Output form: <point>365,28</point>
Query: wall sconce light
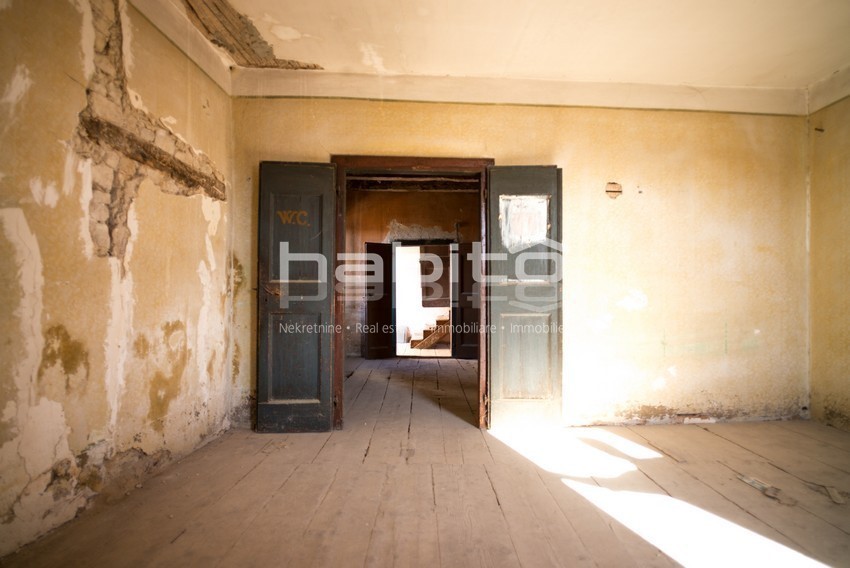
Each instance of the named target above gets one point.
<point>613,189</point>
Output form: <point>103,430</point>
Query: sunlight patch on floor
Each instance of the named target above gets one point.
<point>688,534</point>
<point>564,451</point>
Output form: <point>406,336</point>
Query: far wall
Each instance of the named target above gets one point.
<point>687,295</point>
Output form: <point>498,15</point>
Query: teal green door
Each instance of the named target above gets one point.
<point>295,297</point>
<point>524,293</point>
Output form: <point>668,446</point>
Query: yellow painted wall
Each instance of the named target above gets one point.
<point>686,295</point>
<point>109,366</point>
<point>830,264</point>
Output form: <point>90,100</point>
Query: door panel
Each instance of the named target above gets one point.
<point>465,305</point>
<point>524,293</point>
<point>294,297</point>
<point>378,336</point>
<point>301,359</point>
<point>524,358</point>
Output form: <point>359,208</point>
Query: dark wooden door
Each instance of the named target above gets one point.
<point>379,337</point>
<point>295,297</point>
<point>524,293</point>
<point>465,304</point>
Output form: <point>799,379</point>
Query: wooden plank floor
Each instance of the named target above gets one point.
<point>410,481</point>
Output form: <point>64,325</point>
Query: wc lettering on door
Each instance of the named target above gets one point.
<point>293,217</point>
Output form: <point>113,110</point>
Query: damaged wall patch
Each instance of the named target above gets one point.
<point>124,144</point>
<point>227,28</point>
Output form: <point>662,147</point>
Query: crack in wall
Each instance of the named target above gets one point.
<point>127,145</point>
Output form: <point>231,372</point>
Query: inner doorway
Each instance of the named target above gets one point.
<point>429,306</point>
<point>423,201</point>
<point>422,295</point>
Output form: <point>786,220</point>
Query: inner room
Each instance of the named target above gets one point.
<point>415,216</point>
<point>423,316</point>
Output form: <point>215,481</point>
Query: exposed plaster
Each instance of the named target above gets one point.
<point>210,253</point>
<point>50,495</point>
<point>127,39</point>
<point>43,486</point>
<point>44,439</point>
<point>86,36</point>
<point>119,329</point>
<point>210,344</point>
<point>212,214</point>
<point>69,177</point>
<point>125,144</point>
<point>29,311</point>
<point>17,87</point>
<point>204,332</point>
<point>168,122</point>
<point>44,194</point>
<point>136,100</point>
<point>84,169</point>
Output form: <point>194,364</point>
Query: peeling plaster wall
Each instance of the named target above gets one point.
<point>684,296</point>
<point>829,131</point>
<point>114,361</point>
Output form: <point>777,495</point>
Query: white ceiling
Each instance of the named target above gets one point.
<point>752,48</point>
<point>722,43</point>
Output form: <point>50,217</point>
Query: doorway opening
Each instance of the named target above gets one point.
<point>306,214</point>
<point>388,204</point>
<point>423,298</point>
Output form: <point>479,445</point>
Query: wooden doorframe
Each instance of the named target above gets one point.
<point>348,165</point>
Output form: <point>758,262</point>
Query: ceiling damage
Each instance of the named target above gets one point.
<point>762,56</point>
<point>227,28</point>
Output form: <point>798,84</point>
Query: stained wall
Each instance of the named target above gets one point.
<point>830,264</point>
<point>114,264</point>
